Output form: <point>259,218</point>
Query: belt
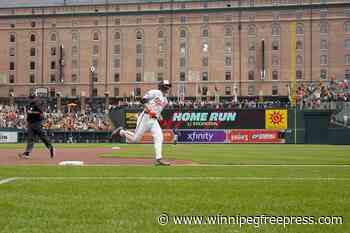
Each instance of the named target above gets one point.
<point>146,111</point>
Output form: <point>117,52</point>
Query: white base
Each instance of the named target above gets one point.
<point>71,163</point>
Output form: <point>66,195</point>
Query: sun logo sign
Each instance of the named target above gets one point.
<point>276,119</point>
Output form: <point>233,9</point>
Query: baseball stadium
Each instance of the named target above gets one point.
<point>152,116</point>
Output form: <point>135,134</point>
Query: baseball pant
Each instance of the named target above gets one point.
<point>36,130</point>
<point>145,123</point>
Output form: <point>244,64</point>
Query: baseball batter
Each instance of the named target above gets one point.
<point>154,102</point>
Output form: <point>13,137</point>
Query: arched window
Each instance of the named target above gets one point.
<point>32,37</point>
<point>183,33</point>
<point>139,35</point>
<point>275,45</point>
<point>96,36</point>
<point>53,37</point>
<point>13,37</point>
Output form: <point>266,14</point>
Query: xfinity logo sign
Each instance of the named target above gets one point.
<point>199,136</point>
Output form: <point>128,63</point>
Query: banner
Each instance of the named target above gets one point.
<point>8,137</point>
<point>168,137</point>
<point>255,136</point>
<point>201,136</point>
<point>131,120</point>
<point>276,119</point>
<point>214,119</point>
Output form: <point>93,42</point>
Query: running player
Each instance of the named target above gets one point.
<point>154,102</point>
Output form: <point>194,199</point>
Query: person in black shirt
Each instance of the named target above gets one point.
<point>35,119</point>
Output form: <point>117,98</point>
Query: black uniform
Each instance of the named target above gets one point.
<point>35,119</point>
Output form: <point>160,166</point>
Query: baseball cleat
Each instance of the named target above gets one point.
<point>52,152</point>
<point>116,132</point>
<point>161,162</point>
<point>24,156</point>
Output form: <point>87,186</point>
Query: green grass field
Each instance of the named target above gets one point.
<point>273,180</point>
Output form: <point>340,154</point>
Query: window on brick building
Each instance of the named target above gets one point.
<point>324,60</point>
<point>95,36</point>
<point>323,74</point>
<point>137,91</point>
<point>32,78</point>
<point>116,91</point>
<point>12,52</point>
<point>227,90</point>
<point>275,75</point>
<point>228,75</point>
<point>12,66</point>
<point>205,76</point>
<point>117,35</point>
<point>32,52</point>
<point>274,90</point>
<point>275,45</point>
<point>11,78</point>
<point>182,76</point>
<point>52,78</point>
<point>138,77</point>
<point>12,37</point>
<point>251,90</point>
<point>32,38</point>
<point>32,65</point>
<point>139,35</point>
<point>53,51</point>
<point>160,76</point>
<point>73,91</point>
<point>251,75</point>
<point>53,65</point>
<point>299,75</point>
<point>116,77</point>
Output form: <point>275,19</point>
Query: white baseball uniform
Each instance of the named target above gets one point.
<point>148,121</point>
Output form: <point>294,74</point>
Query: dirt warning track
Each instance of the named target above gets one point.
<point>90,156</point>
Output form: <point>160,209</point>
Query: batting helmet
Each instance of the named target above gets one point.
<point>164,85</point>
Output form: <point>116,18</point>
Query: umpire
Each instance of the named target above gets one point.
<point>35,119</point>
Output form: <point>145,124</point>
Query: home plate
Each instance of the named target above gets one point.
<point>116,148</point>
<point>71,163</point>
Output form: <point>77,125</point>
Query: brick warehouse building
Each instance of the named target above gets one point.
<point>248,47</point>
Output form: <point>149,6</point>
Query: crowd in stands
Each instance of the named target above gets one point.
<point>323,94</point>
<point>14,117</point>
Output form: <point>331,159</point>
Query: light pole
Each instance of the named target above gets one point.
<point>92,80</point>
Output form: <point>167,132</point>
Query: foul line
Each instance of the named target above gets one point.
<point>264,165</point>
<point>176,178</point>
<point>220,165</point>
<point>7,180</point>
